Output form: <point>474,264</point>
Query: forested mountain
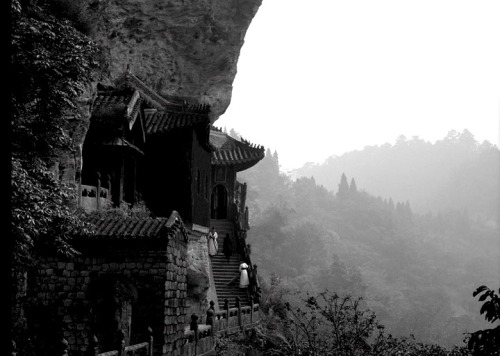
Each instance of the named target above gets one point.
<point>417,271</point>
<point>456,172</point>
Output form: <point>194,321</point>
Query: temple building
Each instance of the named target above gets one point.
<point>148,267</point>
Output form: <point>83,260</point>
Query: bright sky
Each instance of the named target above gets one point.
<point>318,78</point>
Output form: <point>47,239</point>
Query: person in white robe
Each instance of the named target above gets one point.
<point>212,242</point>
<point>244,281</point>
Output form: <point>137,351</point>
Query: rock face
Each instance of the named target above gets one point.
<point>199,279</point>
<point>181,48</point>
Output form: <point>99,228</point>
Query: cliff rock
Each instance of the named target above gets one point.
<point>184,49</point>
<point>181,48</point>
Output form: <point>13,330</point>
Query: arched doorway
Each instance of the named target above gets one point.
<point>219,202</point>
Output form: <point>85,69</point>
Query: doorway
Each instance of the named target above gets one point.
<point>219,202</point>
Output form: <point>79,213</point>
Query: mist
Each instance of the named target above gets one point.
<point>412,228</point>
<point>335,76</point>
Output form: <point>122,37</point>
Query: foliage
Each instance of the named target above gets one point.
<point>84,15</point>
<point>42,215</point>
<point>343,191</point>
<point>330,325</point>
<point>138,210</point>
<point>54,65</point>
<point>487,342</point>
<point>414,270</point>
<point>454,172</point>
<point>322,324</point>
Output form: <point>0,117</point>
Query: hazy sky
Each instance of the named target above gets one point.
<point>322,77</point>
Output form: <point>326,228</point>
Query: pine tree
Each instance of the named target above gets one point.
<point>343,187</point>
<point>353,189</point>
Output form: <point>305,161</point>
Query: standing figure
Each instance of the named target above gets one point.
<point>227,248</point>
<point>244,282</point>
<point>212,242</point>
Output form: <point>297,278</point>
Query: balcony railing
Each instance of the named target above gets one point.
<point>94,198</point>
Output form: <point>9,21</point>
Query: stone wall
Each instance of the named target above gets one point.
<point>67,294</point>
<point>175,311</point>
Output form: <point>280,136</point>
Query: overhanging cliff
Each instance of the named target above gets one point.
<point>181,48</point>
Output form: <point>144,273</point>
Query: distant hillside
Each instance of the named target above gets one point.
<point>456,173</point>
<point>416,271</point>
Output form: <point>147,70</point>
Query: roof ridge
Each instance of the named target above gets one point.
<point>130,79</point>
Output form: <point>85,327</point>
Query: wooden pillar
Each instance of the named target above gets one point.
<point>121,179</point>
<point>110,192</point>
<point>251,310</point>
<point>134,180</point>
<point>121,343</point>
<point>226,308</point>
<point>98,195</point>
<point>238,305</point>
<point>94,346</point>
<point>80,191</point>
<point>150,346</point>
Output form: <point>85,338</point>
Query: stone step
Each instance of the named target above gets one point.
<point>223,273</point>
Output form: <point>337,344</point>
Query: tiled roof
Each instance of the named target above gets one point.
<point>130,228</point>
<point>107,98</point>
<point>120,141</point>
<point>151,96</point>
<point>229,151</point>
<point>123,102</point>
<point>164,121</point>
<point>115,109</point>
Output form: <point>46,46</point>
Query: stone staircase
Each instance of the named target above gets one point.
<point>224,271</point>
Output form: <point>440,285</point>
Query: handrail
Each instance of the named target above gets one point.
<point>142,345</point>
<point>122,350</point>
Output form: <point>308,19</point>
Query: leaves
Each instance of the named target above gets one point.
<point>487,342</point>
<point>53,64</point>
<point>479,290</point>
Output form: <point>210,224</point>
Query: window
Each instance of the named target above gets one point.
<point>220,174</point>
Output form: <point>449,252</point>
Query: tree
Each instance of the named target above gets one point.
<point>328,324</point>
<point>343,191</point>
<point>53,65</point>
<point>487,342</point>
<point>234,134</point>
<point>352,187</point>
